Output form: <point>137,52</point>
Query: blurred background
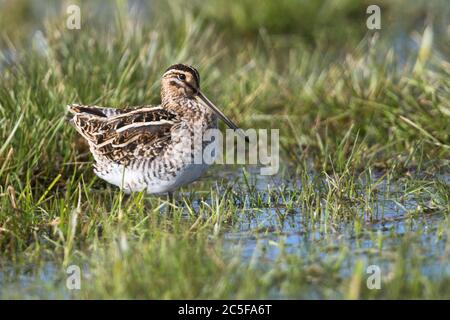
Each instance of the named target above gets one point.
<point>323,22</point>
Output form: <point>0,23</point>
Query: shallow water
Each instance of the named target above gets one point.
<point>395,223</point>
<point>260,235</point>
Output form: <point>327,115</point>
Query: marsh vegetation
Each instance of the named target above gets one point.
<point>364,119</point>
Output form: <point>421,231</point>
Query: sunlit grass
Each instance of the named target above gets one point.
<point>360,127</point>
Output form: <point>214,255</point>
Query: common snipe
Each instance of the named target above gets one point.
<point>150,147</point>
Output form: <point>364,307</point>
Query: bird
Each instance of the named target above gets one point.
<point>149,148</point>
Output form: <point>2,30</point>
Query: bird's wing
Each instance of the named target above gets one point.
<point>97,111</point>
<point>136,133</point>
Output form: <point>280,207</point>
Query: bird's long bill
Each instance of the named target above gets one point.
<point>225,119</point>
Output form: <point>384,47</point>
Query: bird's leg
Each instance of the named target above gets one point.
<point>170,202</point>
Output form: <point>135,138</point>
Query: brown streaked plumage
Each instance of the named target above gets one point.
<point>150,147</point>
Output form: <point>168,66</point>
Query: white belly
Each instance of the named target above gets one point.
<point>169,171</point>
<point>133,180</point>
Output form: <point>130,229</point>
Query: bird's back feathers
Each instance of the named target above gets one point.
<point>121,135</point>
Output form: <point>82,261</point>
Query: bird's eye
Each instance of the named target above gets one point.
<point>181,77</point>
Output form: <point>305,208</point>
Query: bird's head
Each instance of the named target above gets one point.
<point>180,80</point>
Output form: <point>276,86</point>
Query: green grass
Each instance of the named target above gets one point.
<point>365,145</point>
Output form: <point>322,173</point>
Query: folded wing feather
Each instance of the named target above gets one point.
<point>124,134</point>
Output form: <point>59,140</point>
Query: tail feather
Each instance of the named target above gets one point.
<point>79,116</point>
<point>94,110</point>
